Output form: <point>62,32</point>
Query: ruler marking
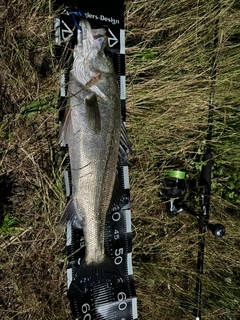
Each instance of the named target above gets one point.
<point>126,177</point>
<point>123,87</point>
<point>122,41</point>
<point>128,221</point>
<point>69,233</point>
<point>67,183</point>
<point>62,85</point>
<point>129,263</point>
<point>69,277</point>
<point>57,31</point>
<point>134,308</point>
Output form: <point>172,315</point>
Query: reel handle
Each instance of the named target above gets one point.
<point>218,230</point>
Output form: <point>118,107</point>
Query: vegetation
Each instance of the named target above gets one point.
<point>169,56</point>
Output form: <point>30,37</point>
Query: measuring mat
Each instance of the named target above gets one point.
<point>113,298</point>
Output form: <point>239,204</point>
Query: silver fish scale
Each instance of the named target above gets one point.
<point>93,160</point>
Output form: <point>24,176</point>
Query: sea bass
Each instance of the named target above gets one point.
<point>92,128</point>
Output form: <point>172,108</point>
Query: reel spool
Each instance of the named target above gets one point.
<point>173,188</point>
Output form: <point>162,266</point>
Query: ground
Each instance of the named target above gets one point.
<point>169,54</point>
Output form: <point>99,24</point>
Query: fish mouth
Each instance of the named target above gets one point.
<point>94,37</point>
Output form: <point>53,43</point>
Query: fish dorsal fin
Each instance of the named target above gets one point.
<point>93,113</point>
<point>117,195</point>
<point>124,147</point>
<point>124,141</point>
<point>122,156</point>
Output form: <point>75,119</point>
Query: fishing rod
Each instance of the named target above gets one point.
<point>174,185</point>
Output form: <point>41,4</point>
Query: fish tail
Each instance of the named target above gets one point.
<point>89,275</point>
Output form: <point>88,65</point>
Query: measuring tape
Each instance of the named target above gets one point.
<point>103,301</point>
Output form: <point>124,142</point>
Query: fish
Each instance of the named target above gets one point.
<point>93,130</point>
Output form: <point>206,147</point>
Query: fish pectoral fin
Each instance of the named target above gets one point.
<point>66,127</point>
<point>71,213</point>
<point>93,113</point>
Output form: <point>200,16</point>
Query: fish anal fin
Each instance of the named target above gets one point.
<point>71,213</point>
<point>93,113</point>
<point>66,127</point>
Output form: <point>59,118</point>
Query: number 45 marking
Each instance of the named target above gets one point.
<point>116,234</point>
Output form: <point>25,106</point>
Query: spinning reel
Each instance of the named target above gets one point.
<point>174,188</point>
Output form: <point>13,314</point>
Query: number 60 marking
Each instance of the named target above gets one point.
<point>122,305</point>
<point>85,309</point>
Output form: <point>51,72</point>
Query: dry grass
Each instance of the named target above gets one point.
<point>32,260</point>
<point>169,57</point>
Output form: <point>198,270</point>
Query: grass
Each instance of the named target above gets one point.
<point>168,96</point>
<point>168,62</point>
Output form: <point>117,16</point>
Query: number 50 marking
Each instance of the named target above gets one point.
<point>118,253</point>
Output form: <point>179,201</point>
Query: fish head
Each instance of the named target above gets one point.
<point>90,60</point>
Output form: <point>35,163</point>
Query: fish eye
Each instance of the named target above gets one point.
<point>100,41</point>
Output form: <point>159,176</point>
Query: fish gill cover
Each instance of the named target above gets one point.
<point>100,285</point>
